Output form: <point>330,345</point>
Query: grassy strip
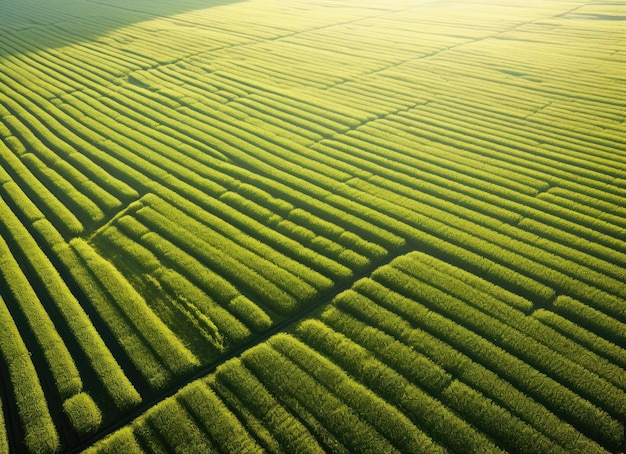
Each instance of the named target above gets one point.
<point>15,196</point>
<point>375,327</point>
<point>533,164</point>
<point>584,337</point>
<point>221,328</point>
<point>507,336</point>
<point>264,404</point>
<point>167,178</point>
<point>100,358</point>
<point>565,148</point>
<point>567,152</point>
<point>61,364</point>
<point>347,424</point>
<point>4,441</point>
<point>192,152</point>
<point>586,205</point>
<point>190,270</point>
<point>123,441</point>
<point>427,413</point>
<point>175,356</point>
<point>230,144</point>
<point>75,143</point>
<point>250,150</point>
<point>511,432</point>
<point>83,414</point>
<point>152,156</point>
<point>47,202</point>
<point>40,435</point>
<point>216,419</point>
<point>588,317</point>
<point>443,276</point>
<point>585,416</point>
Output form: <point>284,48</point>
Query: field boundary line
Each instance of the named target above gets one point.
<point>323,299</point>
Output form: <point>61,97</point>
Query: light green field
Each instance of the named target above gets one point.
<point>312,226</point>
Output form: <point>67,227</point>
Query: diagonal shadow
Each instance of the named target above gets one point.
<point>31,25</point>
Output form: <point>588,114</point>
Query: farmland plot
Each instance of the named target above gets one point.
<point>312,226</point>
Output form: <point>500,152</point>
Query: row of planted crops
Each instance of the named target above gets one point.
<point>442,183</point>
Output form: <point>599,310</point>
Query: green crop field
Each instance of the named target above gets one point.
<point>373,226</point>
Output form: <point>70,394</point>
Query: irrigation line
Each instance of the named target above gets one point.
<point>324,299</point>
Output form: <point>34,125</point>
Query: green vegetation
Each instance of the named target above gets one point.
<point>40,434</point>
<point>83,413</point>
<point>400,377</point>
<point>256,226</point>
<point>4,442</point>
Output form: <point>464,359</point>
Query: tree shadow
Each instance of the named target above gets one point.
<point>31,25</point>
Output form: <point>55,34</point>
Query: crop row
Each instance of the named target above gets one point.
<point>38,322</point>
<point>522,338</point>
<point>202,296</point>
<point>403,154</point>
<point>492,362</point>
<point>43,161</point>
<point>435,384</point>
<point>605,267</point>
<point>509,309</point>
<point>576,410</point>
<point>290,276</point>
<point>530,163</point>
<point>147,339</point>
<point>125,144</point>
<point>557,83</point>
<point>526,142</point>
<point>598,177</point>
<point>32,109</point>
<point>59,300</point>
<point>211,181</point>
<point>433,195</point>
<point>399,344</point>
<point>4,441</point>
<point>157,244</point>
<point>132,343</point>
<point>597,288</point>
<point>36,192</point>
<point>607,350</point>
<point>85,198</point>
<point>369,247</point>
<point>40,434</point>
